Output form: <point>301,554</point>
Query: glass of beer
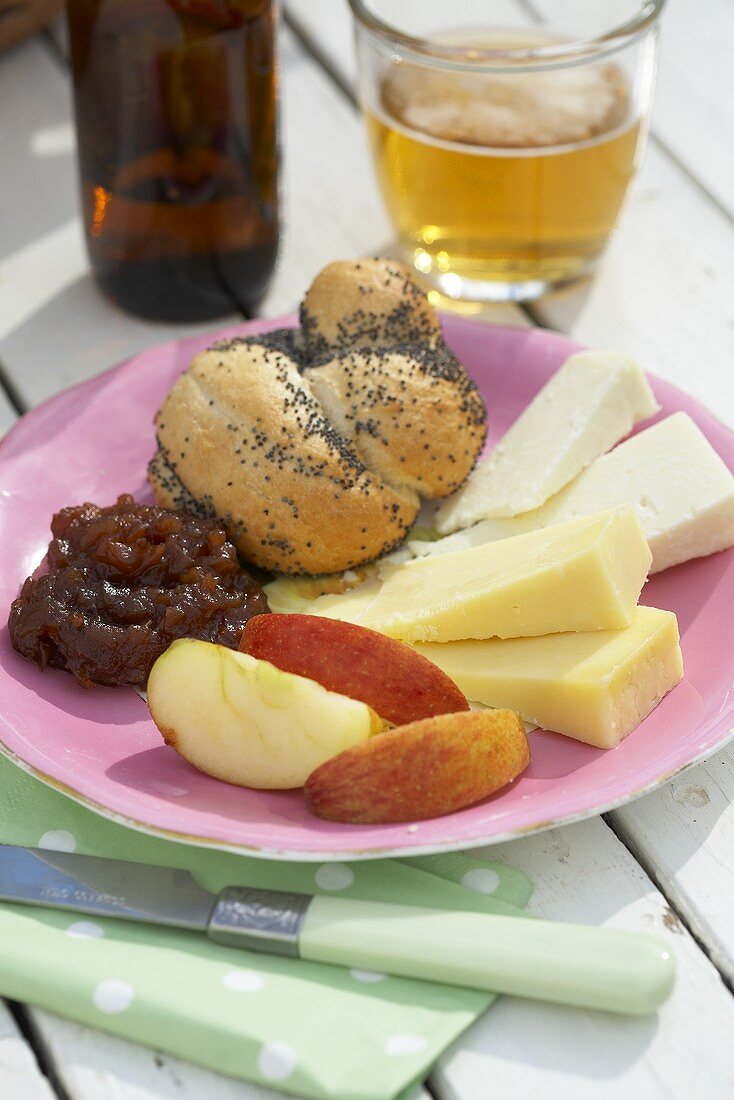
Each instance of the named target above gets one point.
<point>505,133</point>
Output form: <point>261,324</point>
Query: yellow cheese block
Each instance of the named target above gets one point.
<point>586,574</point>
<point>596,687</point>
<point>295,595</point>
<point>348,606</point>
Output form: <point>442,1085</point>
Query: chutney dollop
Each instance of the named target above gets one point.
<point>125,581</point>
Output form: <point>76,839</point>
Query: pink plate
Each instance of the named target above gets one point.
<point>100,746</point>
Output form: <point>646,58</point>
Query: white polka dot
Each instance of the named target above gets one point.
<point>276,1061</point>
<point>242,981</point>
<point>334,876</point>
<point>405,1044</point>
<point>58,840</point>
<point>482,879</point>
<point>112,996</point>
<point>367,976</point>
<point>85,930</point>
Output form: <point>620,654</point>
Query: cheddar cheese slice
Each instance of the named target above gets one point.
<point>582,575</point>
<point>595,687</point>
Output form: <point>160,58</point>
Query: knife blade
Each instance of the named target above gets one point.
<point>104,887</point>
<point>618,971</point>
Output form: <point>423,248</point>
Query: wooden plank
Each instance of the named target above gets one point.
<point>38,272</point>
<point>331,209</point>
<point>685,834</point>
<point>326,28</point>
<point>693,116</point>
<point>38,189</point>
<point>20,1077</point>
<point>77,334</point>
<point>583,873</point>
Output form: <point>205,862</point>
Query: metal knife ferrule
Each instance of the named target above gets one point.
<point>259,920</point>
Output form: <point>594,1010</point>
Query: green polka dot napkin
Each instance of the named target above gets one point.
<point>309,1029</point>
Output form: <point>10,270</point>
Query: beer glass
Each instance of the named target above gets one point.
<point>505,133</point>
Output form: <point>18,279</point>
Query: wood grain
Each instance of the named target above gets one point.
<point>693,118</point>
<point>583,873</point>
<point>20,1077</point>
<point>37,190</point>
<point>685,834</point>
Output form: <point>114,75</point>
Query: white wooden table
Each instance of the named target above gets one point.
<point>666,295</point>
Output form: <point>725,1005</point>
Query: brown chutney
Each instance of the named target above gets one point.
<point>123,583</point>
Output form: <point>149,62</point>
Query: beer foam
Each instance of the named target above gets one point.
<point>507,110</point>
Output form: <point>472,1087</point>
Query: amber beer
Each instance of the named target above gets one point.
<point>176,121</point>
<point>514,178</point>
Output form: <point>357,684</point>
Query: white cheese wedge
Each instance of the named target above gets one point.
<point>595,687</point>
<point>583,575</point>
<point>592,402</point>
<point>681,490</point>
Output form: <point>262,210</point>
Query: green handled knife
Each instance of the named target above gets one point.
<point>629,972</point>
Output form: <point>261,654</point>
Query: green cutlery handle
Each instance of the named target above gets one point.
<point>572,964</point>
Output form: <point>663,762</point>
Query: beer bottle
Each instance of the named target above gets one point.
<point>176,108</point>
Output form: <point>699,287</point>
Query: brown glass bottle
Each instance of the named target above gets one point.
<point>176,108</point>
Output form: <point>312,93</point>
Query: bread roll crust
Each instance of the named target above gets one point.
<point>241,436</point>
<point>413,413</point>
<point>313,446</point>
<point>365,303</point>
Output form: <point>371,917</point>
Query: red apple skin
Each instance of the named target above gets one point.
<point>425,769</point>
<point>398,683</point>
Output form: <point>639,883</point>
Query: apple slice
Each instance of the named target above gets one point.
<point>246,721</point>
<point>398,683</point>
<point>425,769</point>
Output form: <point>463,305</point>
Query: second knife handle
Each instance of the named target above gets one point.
<point>572,964</point>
